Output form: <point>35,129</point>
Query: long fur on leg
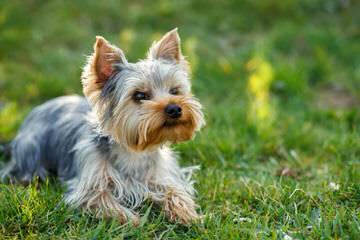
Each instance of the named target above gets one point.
<point>95,188</point>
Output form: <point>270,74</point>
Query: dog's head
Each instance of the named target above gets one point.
<point>142,104</point>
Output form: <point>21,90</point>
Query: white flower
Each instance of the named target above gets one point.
<point>241,219</point>
<point>287,237</point>
<point>334,186</point>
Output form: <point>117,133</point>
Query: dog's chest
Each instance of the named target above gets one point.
<point>137,166</point>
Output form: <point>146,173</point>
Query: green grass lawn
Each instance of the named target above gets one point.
<point>280,83</point>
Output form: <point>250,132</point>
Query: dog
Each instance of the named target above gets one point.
<point>112,147</point>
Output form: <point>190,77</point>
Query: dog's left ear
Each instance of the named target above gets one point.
<point>167,48</point>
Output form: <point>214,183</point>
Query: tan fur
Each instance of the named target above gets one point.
<point>153,128</point>
<point>168,47</point>
<point>99,67</point>
<point>179,207</point>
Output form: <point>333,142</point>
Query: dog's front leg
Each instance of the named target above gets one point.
<point>176,194</point>
<point>179,206</point>
<point>98,189</point>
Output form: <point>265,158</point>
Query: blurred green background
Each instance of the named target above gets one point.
<point>279,80</point>
<point>311,49</point>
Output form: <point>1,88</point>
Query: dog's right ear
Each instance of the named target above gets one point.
<point>168,47</point>
<point>100,66</point>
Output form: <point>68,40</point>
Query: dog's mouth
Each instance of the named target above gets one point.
<point>170,123</point>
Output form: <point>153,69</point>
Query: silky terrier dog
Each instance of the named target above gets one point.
<point>111,148</point>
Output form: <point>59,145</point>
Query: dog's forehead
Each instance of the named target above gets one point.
<point>159,74</point>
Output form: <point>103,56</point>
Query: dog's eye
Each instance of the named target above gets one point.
<point>140,96</point>
<point>174,91</point>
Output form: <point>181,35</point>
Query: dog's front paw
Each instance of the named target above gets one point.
<point>106,206</point>
<point>180,208</point>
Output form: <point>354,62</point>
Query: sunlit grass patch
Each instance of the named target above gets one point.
<point>10,119</point>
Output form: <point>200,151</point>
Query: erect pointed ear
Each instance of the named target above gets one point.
<point>100,65</point>
<point>167,48</point>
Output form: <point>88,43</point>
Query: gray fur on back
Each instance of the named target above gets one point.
<point>44,143</point>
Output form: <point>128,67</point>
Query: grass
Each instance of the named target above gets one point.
<point>280,82</point>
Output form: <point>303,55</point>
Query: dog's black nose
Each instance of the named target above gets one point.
<point>173,110</point>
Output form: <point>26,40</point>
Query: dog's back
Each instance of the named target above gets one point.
<point>45,140</point>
